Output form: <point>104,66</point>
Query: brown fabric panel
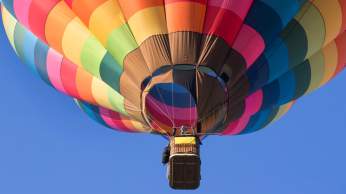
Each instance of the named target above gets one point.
<point>236,102</point>
<point>186,78</point>
<point>232,106</point>
<point>210,95</point>
<point>138,65</point>
<point>163,78</point>
<point>233,113</point>
<point>239,91</point>
<point>217,55</point>
<point>234,67</point>
<point>156,51</point>
<point>215,119</point>
<point>232,109</point>
<point>135,112</point>
<point>237,87</point>
<point>135,68</point>
<point>224,114</point>
<point>132,95</point>
<point>135,71</point>
<point>185,47</point>
<point>214,52</point>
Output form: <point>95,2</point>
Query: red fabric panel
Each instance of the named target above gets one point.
<point>68,77</point>
<point>69,2</point>
<point>217,22</point>
<point>113,119</point>
<point>38,14</point>
<point>341,45</point>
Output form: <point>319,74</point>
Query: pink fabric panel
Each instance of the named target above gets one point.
<point>249,44</point>
<point>237,127</point>
<point>21,9</point>
<point>54,61</point>
<point>113,120</point>
<point>253,103</point>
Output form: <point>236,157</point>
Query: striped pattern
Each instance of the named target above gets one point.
<point>226,67</point>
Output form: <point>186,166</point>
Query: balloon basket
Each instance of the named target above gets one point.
<point>184,165</point>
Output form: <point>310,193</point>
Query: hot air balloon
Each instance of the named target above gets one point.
<point>183,69</point>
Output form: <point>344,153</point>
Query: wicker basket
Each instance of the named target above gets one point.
<point>184,163</point>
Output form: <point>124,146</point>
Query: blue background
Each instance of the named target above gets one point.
<point>48,146</point>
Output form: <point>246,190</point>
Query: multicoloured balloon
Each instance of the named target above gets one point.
<point>223,67</point>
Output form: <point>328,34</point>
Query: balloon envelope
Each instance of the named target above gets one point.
<point>223,67</point>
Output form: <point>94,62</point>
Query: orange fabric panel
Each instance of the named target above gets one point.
<point>127,122</point>
<point>56,23</point>
<point>84,82</point>
<point>84,9</point>
<point>130,7</point>
<point>185,16</point>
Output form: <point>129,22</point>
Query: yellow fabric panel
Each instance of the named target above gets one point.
<point>131,124</point>
<point>73,40</point>
<point>332,15</point>
<point>283,110</point>
<point>317,70</point>
<point>312,22</point>
<point>10,24</point>
<point>107,97</point>
<point>105,19</point>
<point>331,62</point>
<point>100,94</point>
<point>184,140</point>
<point>148,22</point>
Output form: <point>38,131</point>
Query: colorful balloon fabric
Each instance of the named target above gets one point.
<point>224,67</point>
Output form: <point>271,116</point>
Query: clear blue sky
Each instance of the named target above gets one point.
<point>48,146</point>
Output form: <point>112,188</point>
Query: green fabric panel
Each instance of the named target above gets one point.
<point>317,70</point>
<point>311,20</point>
<point>120,43</point>
<point>303,76</point>
<point>110,72</point>
<point>92,55</point>
<point>19,39</point>
<point>117,101</point>
<point>296,42</point>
